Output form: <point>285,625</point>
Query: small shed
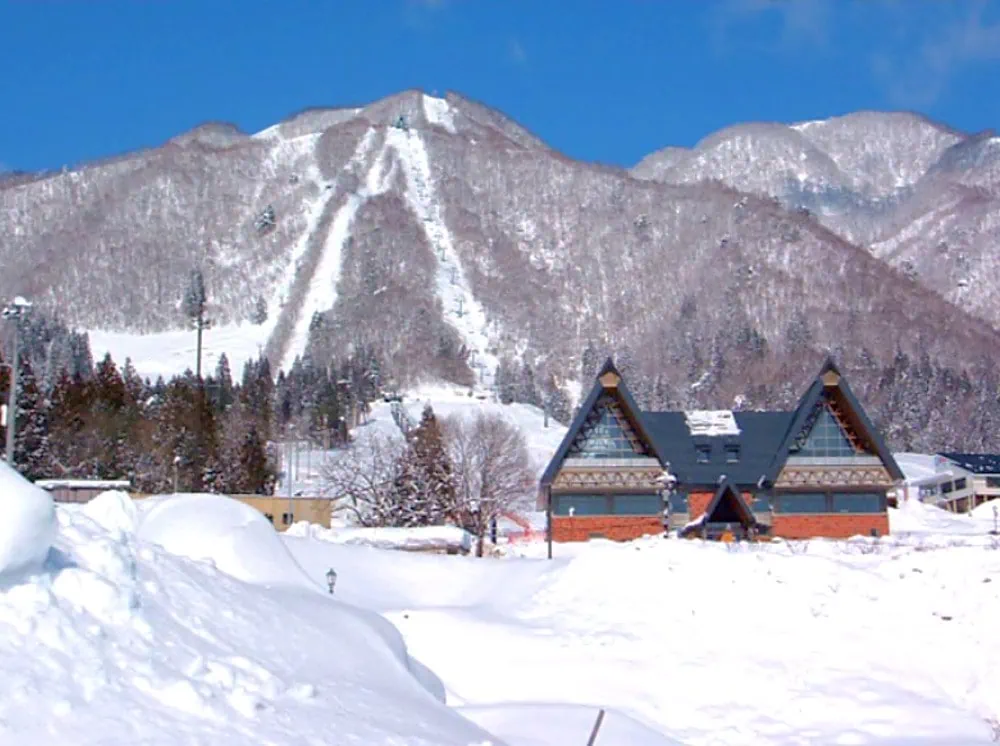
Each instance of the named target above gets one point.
<point>81,490</point>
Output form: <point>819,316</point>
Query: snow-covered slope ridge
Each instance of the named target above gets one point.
<point>121,642</point>
<point>322,292</point>
<point>461,309</point>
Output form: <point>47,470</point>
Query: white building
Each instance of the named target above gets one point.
<point>938,480</point>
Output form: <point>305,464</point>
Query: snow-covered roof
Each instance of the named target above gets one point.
<point>925,467</point>
<point>711,422</point>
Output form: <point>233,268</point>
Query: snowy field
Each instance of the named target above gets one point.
<point>187,619</point>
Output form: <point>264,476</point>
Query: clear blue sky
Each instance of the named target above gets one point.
<point>607,80</point>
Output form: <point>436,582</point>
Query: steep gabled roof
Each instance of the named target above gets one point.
<point>728,490</point>
<point>831,379</point>
<point>761,433</point>
<point>977,463</point>
<point>608,380</point>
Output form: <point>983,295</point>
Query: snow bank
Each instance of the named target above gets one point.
<point>422,538</point>
<point>237,538</point>
<point>120,642</point>
<point>28,527</point>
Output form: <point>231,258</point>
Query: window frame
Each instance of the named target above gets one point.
<point>829,501</point>
<point>732,451</point>
<point>703,453</point>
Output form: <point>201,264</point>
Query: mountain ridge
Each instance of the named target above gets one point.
<point>445,235</point>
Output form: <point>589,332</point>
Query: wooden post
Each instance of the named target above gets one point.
<point>548,517</point>
<point>597,727</point>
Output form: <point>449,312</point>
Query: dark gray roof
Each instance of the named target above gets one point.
<point>977,463</point>
<point>761,434</point>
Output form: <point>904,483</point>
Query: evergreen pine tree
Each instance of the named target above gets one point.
<point>31,444</point>
<point>223,392</point>
<point>425,487</point>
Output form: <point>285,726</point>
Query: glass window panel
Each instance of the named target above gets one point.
<point>960,484</point>
<point>605,435</point>
<point>637,504</point>
<point>866,502</point>
<point>679,502</point>
<point>993,482</point>
<point>581,504</point>
<point>827,438</point>
<point>732,454</point>
<point>805,502</point>
<point>947,487</point>
<point>704,453</point>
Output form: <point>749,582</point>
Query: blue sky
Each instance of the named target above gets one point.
<point>606,80</point>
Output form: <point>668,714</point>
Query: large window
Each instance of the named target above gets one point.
<point>804,502</point>
<point>606,434</point>
<point>679,502</point>
<point>638,504</point>
<point>993,482</point>
<point>858,502</point>
<point>826,502</point>
<point>827,438</point>
<point>580,504</point>
<point>704,453</point>
<point>960,484</point>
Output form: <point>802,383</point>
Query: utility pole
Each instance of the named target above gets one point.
<point>14,311</point>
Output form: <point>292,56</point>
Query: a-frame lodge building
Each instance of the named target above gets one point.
<point>820,470</point>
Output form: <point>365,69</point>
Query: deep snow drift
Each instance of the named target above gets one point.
<point>231,638</point>
<point>117,641</point>
<point>28,526</point>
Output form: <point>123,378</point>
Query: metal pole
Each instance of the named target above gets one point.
<point>12,401</point>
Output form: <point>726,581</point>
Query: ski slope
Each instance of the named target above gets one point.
<point>461,309</point>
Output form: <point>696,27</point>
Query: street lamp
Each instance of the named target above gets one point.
<point>13,311</point>
<point>331,579</point>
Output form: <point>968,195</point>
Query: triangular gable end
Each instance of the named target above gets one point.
<point>610,395</point>
<point>830,421</point>
<point>728,506</point>
<point>827,431</point>
<point>607,433</point>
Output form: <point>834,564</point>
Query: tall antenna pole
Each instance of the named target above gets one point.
<point>14,311</point>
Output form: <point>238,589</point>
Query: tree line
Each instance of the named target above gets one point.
<point>80,420</point>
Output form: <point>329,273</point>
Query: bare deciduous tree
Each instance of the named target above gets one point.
<point>362,478</point>
<point>492,469</point>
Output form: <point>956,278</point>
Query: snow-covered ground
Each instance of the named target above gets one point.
<point>825,642</point>
<point>187,619</point>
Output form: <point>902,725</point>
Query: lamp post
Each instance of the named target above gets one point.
<point>13,311</point>
<point>331,579</point>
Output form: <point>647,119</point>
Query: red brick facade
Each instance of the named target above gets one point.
<point>615,527</point>
<point>806,526</point>
<point>829,525</point>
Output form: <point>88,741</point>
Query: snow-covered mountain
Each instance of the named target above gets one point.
<point>447,237</point>
<point>917,194</point>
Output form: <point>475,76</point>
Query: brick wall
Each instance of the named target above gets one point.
<point>829,525</point>
<point>615,527</point>
<point>698,502</point>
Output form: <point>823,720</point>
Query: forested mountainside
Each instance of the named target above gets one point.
<point>917,194</point>
<point>450,241</point>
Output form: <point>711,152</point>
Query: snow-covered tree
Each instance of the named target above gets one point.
<point>492,470</point>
